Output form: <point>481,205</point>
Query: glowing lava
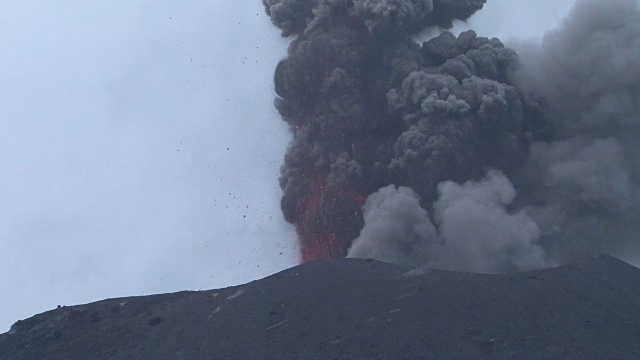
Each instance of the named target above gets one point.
<point>329,218</point>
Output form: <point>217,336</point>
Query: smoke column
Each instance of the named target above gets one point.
<point>458,153</point>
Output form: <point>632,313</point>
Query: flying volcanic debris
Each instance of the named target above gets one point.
<point>458,153</point>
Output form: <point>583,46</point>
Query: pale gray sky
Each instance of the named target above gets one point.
<point>140,147</point>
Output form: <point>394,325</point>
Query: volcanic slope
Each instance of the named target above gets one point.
<point>358,309</point>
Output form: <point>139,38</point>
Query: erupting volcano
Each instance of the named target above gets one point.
<point>459,152</point>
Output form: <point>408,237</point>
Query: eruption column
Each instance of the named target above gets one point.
<point>508,163</point>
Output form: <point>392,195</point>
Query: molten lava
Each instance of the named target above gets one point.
<point>323,236</point>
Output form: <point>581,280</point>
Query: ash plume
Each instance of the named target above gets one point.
<point>586,75</point>
<point>458,153</point>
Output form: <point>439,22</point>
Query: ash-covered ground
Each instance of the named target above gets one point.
<point>358,309</point>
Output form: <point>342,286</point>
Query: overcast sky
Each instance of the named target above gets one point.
<point>140,149</point>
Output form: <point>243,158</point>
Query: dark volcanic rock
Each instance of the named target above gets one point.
<point>357,309</point>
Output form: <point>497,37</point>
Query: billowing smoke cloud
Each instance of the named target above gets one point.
<point>398,229</point>
<point>458,153</point>
<point>586,75</point>
<point>475,230</point>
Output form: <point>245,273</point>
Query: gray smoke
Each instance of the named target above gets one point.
<point>475,231</point>
<point>397,229</point>
<point>458,153</point>
<point>479,233</point>
<point>586,74</point>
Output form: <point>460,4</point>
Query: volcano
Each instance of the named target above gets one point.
<point>358,309</point>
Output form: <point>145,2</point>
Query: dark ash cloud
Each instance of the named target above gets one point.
<point>458,153</point>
